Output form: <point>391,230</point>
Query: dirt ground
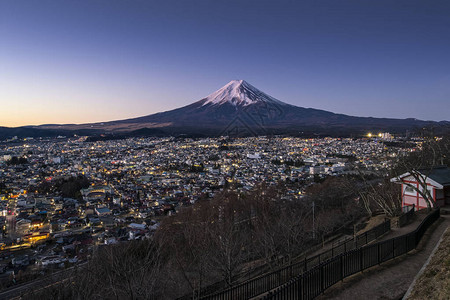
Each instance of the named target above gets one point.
<point>434,283</point>
<point>372,222</point>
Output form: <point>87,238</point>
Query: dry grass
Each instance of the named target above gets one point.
<point>434,283</point>
<point>372,222</point>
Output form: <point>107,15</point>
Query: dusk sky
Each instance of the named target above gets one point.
<point>89,61</point>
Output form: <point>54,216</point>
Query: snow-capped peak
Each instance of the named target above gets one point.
<point>238,93</point>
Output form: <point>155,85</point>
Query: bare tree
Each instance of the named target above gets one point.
<point>131,270</point>
<point>184,238</point>
<point>381,194</point>
<point>419,164</point>
<point>279,226</point>
<point>228,235</point>
<point>293,219</point>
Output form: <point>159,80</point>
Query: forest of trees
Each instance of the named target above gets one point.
<point>17,161</point>
<point>67,187</point>
<point>221,240</point>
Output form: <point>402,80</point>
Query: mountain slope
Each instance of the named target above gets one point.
<point>241,109</point>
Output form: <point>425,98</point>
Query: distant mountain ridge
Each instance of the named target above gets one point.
<point>240,109</point>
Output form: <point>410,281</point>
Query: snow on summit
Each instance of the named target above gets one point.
<point>238,93</point>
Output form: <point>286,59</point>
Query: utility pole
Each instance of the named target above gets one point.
<point>314,227</point>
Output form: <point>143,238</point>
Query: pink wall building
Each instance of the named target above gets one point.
<point>437,180</point>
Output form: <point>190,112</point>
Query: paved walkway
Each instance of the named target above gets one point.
<point>391,279</point>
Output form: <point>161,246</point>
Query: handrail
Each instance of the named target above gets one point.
<point>268,281</point>
<point>314,282</point>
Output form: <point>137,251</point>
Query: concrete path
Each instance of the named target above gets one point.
<point>392,279</point>
<point>395,231</point>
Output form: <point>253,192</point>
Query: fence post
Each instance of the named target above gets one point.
<point>393,248</point>
<point>247,289</point>
<point>361,259</point>
<point>342,267</point>
<point>415,238</point>
<point>379,252</point>
<point>300,288</point>
<point>406,243</point>
<point>322,279</point>
<point>305,265</point>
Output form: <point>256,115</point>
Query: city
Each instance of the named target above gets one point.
<point>62,197</point>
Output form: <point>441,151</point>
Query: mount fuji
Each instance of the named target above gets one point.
<point>240,109</point>
<point>239,93</point>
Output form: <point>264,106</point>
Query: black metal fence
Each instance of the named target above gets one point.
<point>315,281</point>
<point>406,217</point>
<point>350,244</point>
<point>269,281</point>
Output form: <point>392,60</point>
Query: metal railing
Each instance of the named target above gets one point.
<point>314,282</point>
<point>407,217</point>
<point>266,282</point>
<point>349,244</point>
